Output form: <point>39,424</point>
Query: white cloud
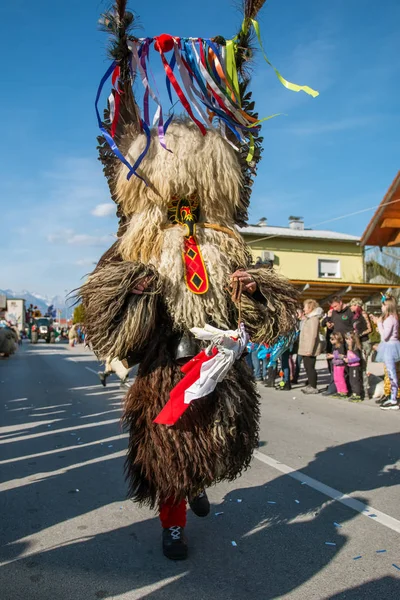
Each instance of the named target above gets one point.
<point>104,210</point>
<point>68,236</point>
<point>345,124</point>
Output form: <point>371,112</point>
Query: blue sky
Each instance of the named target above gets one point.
<point>329,156</point>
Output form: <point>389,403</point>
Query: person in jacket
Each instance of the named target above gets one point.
<point>389,348</point>
<point>338,320</point>
<point>362,327</point>
<point>340,317</point>
<point>310,343</point>
<point>338,357</point>
<point>354,363</point>
<point>113,365</point>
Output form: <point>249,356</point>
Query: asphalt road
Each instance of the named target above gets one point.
<point>322,491</point>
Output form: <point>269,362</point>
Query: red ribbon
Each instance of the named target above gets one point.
<point>115,75</point>
<point>180,94</point>
<point>117,100</point>
<point>176,406</point>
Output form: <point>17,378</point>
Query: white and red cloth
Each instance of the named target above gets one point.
<point>204,371</point>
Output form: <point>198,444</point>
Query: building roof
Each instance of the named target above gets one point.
<point>323,291</point>
<point>288,232</point>
<point>384,227</point>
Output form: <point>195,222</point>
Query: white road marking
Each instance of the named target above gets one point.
<point>364,509</point>
<point>62,449</point>
<point>24,426</point>
<point>23,438</point>
<point>37,477</point>
<point>17,400</point>
<point>92,370</point>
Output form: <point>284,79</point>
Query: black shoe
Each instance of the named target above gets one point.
<point>174,543</point>
<point>269,383</point>
<point>103,379</point>
<point>382,400</point>
<point>200,505</point>
<point>284,386</point>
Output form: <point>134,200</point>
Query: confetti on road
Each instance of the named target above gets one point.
<point>304,483</point>
<point>110,446</point>
<point>396,567</point>
<point>337,524</point>
<point>239,500</point>
<point>357,557</point>
<point>270,502</point>
<point>330,544</point>
<point>219,513</point>
<point>297,501</point>
<point>380,551</point>
<point>341,453</point>
<point>372,516</point>
<point>72,433</point>
<point>233,543</point>
<point>73,491</point>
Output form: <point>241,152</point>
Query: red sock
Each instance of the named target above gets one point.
<point>173,514</point>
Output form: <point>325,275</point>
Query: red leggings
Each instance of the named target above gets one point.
<point>173,514</point>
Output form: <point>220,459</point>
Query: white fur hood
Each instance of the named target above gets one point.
<point>317,312</point>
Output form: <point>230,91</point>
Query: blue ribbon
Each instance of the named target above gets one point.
<point>172,66</point>
<point>104,131</point>
<point>143,154</point>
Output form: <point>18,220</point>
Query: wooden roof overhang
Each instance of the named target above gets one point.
<point>323,291</point>
<point>384,227</point>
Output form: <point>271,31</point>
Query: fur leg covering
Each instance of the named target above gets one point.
<point>272,312</point>
<point>8,341</point>
<point>117,321</point>
<point>214,439</point>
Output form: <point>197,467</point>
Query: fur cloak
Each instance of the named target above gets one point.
<point>216,436</point>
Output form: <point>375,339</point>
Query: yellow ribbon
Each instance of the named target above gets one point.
<point>290,86</point>
<point>231,70</point>
<point>250,155</point>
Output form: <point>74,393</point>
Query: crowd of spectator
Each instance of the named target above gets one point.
<point>343,335</point>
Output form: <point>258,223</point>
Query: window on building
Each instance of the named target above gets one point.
<point>328,268</point>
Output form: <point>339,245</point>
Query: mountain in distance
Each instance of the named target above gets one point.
<point>42,302</point>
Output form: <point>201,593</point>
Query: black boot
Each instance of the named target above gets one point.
<point>284,386</point>
<point>174,543</point>
<point>269,381</point>
<point>103,378</point>
<point>200,505</point>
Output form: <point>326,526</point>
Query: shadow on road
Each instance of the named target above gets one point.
<point>280,543</point>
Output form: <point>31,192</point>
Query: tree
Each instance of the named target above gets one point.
<point>79,314</point>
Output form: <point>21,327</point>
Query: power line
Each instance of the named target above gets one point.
<point>352,214</point>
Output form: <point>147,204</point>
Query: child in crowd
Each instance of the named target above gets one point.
<point>353,360</point>
<point>389,348</point>
<point>339,366</point>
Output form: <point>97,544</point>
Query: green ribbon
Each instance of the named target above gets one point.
<point>290,86</point>
<point>231,70</point>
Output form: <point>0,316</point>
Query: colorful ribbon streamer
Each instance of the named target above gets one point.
<point>209,87</point>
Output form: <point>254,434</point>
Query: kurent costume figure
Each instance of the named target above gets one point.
<point>182,187</point>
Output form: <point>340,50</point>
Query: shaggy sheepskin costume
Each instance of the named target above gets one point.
<point>181,192</point>
<point>215,437</point>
